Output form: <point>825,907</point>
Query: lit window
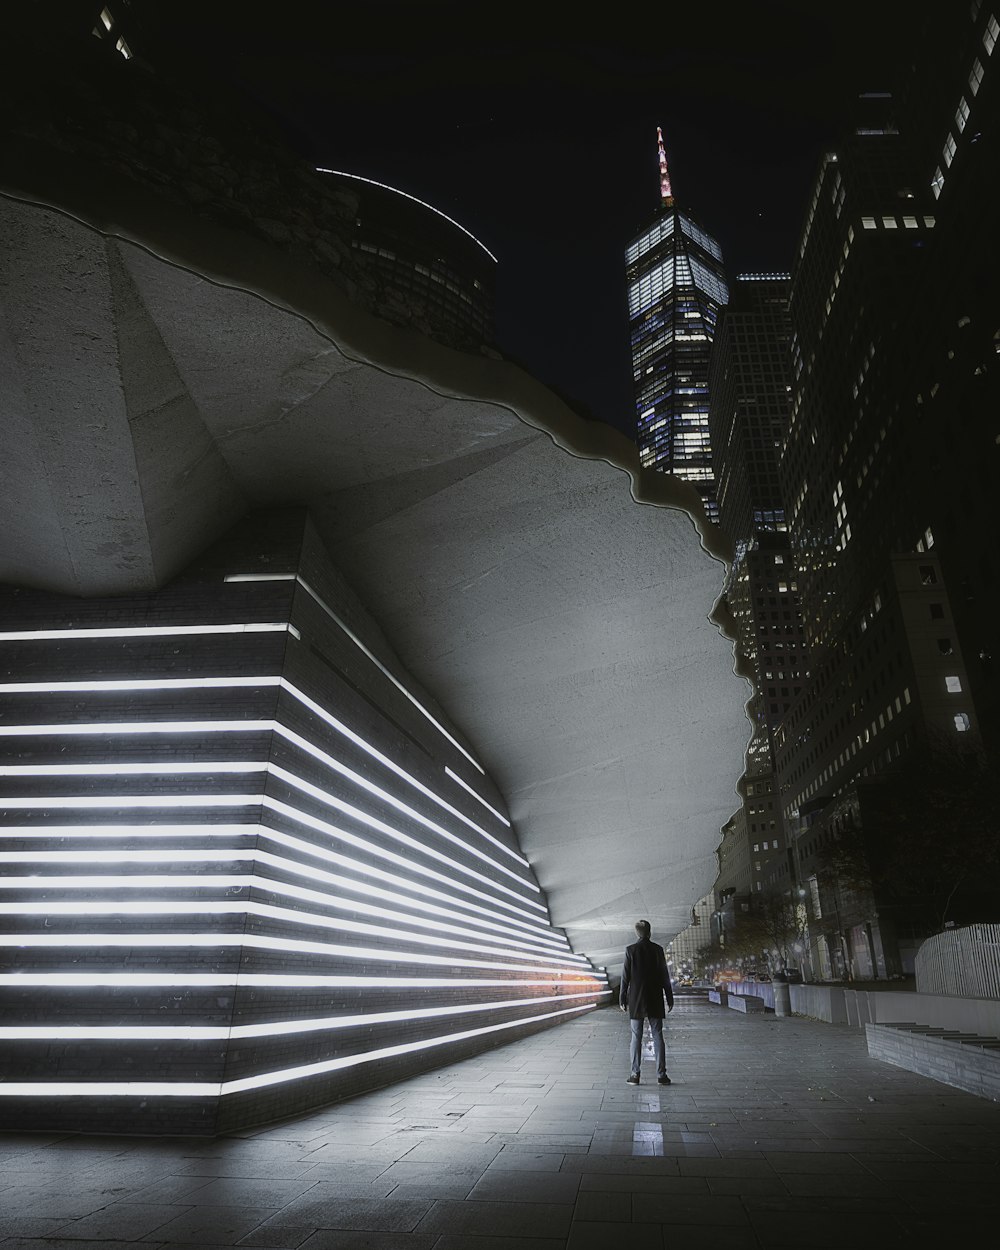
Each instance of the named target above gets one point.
<point>122,47</point>
<point>950,148</point>
<point>929,221</point>
<point>929,537</point>
<point>961,114</point>
<point>962,722</point>
<point>953,685</point>
<point>868,223</point>
<point>976,77</point>
<point>106,19</point>
<point>937,182</point>
<point>889,223</point>
<point>990,34</point>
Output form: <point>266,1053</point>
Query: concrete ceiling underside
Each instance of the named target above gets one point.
<point>160,377</point>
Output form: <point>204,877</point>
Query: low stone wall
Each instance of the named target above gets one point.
<point>970,1067</point>
<point>946,1011</point>
<point>758,989</point>
<point>820,1002</point>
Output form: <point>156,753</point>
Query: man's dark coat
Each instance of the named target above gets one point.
<point>645,980</point>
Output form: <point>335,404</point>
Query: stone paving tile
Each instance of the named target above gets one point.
<point>336,1239</point>
<point>121,1222</point>
<point>222,1226</point>
<point>509,1219</point>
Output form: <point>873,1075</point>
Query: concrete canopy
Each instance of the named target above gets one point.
<point>162,376</point>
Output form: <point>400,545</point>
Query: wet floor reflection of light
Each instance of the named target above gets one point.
<point>647,1138</point>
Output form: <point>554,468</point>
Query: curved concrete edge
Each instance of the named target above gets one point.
<point>114,206</point>
<point>121,209</point>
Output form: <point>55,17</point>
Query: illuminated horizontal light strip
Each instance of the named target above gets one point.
<point>340,173</point>
<point>339,621</point>
<point>241,726</point>
<point>371,848</point>
<point>239,907</point>
<point>20,833</point>
<point>44,802</point>
<point>331,800</point>
<point>123,802</point>
<point>147,631</point>
<point>207,1089</point>
<point>535,926</point>
<point>478,797</point>
<point>41,859</point>
<point>140,683</point>
<point>341,728</point>
<point>224,939</point>
<point>108,685</point>
<point>263,980</point>
<point>205,881</point>
<point>278,1028</point>
<point>155,769</point>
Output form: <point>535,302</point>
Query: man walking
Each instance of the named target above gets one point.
<point>645,982</point>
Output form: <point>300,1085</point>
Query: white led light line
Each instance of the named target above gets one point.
<point>255,577</point>
<point>478,797</point>
<point>265,980</point>
<point>239,907</point>
<point>531,926</point>
<point>146,631</point>
<point>331,800</point>
<point>206,881</point>
<point>42,859</point>
<point>530,922</point>
<point>154,769</point>
<point>340,173</point>
<point>161,801</point>
<point>208,1089</point>
<point>274,1028</point>
<point>114,685</point>
<point>109,685</point>
<point>105,685</point>
<point>21,833</point>
<point>222,939</point>
<point>362,844</point>
<point>341,728</point>
<point>238,726</point>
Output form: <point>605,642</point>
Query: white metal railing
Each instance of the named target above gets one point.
<point>961,961</point>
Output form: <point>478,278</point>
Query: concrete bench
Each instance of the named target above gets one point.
<point>964,1060</point>
<point>746,1002</point>
<point>718,996</point>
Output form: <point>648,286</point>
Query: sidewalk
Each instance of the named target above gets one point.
<point>774,1132</point>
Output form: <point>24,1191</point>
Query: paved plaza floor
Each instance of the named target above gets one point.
<point>774,1132</point>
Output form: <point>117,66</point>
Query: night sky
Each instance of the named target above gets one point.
<point>536,129</point>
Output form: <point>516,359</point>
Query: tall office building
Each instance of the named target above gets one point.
<point>748,419</point>
<point>676,286</point>
<point>890,472</point>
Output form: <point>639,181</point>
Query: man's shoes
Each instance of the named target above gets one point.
<point>632,1080</point>
<point>663,1080</point>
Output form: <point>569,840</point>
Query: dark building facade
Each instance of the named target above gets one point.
<point>889,471</point>
<point>748,419</point>
<point>249,865</point>
<point>676,286</point>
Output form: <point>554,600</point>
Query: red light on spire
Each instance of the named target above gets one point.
<point>666,194</point>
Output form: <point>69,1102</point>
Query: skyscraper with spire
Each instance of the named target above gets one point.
<point>676,286</point>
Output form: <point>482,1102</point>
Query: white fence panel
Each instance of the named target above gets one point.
<point>961,961</point>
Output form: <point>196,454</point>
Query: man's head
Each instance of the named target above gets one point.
<point>642,928</point>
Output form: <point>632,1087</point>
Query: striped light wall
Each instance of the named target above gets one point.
<point>246,865</point>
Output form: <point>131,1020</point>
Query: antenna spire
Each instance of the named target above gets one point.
<point>666,194</point>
